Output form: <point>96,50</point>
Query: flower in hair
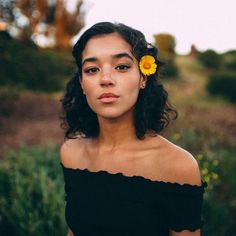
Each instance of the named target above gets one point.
<point>148,65</point>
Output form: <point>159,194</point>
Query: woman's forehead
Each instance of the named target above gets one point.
<point>109,44</point>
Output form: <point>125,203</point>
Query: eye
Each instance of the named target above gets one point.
<point>123,67</point>
<point>91,70</point>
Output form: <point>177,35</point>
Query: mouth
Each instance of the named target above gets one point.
<point>108,97</point>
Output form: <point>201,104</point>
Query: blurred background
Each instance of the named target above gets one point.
<point>196,40</point>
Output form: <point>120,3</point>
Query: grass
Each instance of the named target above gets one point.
<point>198,110</point>
<point>206,127</point>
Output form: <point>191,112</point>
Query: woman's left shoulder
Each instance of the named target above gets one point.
<point>180,164</point>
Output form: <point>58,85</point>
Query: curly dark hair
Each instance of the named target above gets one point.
<point>152,112</point>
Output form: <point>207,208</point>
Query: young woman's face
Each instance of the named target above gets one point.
<point>110,76</point>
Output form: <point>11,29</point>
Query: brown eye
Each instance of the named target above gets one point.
<point>91,70</point>
<point>123,67</point>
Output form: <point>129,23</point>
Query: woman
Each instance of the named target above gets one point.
<point>121,176</point>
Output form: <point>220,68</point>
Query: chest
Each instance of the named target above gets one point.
<point>141,162</point>
<point>112,202</point>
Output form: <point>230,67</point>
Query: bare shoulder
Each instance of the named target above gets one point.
<point>180,166</point>
<point>70,151</point>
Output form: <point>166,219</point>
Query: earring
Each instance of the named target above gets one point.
<point>142,86</point>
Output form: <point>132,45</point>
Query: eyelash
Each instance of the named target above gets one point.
<point>121,67</point>
<point>90,70</point>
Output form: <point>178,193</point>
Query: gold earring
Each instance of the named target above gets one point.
<point>142,86</point>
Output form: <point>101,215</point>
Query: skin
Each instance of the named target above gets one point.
<point>109,66</point>
<point>114,70</point>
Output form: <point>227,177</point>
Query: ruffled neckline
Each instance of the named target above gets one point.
<point>120,175</point>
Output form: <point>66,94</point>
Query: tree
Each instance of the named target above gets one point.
<point>47,22</point>
<point>210,59</point>
<point>166,45</point>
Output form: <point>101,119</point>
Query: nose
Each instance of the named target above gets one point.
<point>107,80</point>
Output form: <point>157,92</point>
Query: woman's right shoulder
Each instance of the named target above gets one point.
<point>71,151</point>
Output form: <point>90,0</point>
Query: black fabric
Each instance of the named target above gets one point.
<point>101,203</point>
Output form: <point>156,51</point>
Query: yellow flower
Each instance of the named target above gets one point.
<point>147,65</point>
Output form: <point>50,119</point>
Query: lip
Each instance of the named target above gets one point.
<point>108,97</point>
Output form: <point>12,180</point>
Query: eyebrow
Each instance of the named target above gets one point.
<point>119,55</point>
<point>123,54</point>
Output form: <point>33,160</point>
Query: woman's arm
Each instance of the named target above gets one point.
<point>186,170</point>
<point>70,233</point>
<point>185,233</point>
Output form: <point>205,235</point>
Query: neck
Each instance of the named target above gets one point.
<point>115,133</point>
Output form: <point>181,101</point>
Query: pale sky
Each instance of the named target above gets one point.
<point>205,23</point>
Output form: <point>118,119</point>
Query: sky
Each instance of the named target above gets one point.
<point>208,24</point>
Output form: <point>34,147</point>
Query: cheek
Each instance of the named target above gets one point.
<point>130,92</point>
<point>88,86</point>
<point>89,91</point>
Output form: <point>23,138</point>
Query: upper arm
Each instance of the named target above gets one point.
<point>67,159</point>
<point>185,233</point>
<point>185,168</point>
<point>64,152</point>
<point>70,233</point>
<point>70,152</point>
<point>186,171</point>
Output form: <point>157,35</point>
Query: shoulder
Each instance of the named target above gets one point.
<point>179,165</point>
<point>70,151</point>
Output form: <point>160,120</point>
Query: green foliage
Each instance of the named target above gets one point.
<point>222,79</point>
<point>231,65</point>
<point>230,52</point>
<point>7,98</point>
<point>220,204</point>
<point>230,60</point>
<point>32,193</point>
<point>32,188</point>
<point>166,46</point>
<point>217,164</point>
<point>169,70</point>
<point>223,83</point>
<point>24,66</point>
<point>210,59</point>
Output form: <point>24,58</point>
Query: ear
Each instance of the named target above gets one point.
<point>143,81</point>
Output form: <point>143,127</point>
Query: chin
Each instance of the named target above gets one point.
<point>110,116</point>
<point>115,114</point>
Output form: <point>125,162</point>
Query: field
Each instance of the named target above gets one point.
<point>197,109</point>
<point>30,127</point>
<point>33,118</point>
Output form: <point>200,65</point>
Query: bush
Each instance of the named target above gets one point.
<point>210,59</point>
<point>32,193</point>
<point>166,47</point>
<point>220,201</point>
<point>25,66</point>
<point>223,83</point>
<point>7,98</point>
<point>231,65</point>
<point>217,164</point>
<point>169,70</point>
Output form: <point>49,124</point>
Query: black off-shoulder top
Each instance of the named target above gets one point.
<point>102,203</point>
